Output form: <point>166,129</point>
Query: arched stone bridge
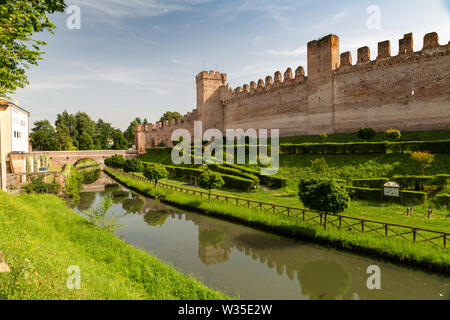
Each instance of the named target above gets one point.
<point>59,158</point>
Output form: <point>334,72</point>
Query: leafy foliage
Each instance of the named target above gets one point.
<point>38,185</point>
<point>155,172</point>
<point>210,180</point>
<point>323,195</point>
<point>19,21</point>
<point>99,215</point>
<point>392,134</point>
<point>115,161</point>
<point>366,133</point>
<point>133,165</point>
<point>169,115</point>
<point>43,136</point>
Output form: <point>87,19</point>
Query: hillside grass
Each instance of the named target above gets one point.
<point>40,238</point>
<point>423,254</point>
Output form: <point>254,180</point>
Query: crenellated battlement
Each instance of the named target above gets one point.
<point>406,54</point>
<point>341,93</point>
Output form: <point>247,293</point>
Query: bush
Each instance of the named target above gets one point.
<point>233,172</point>
<point>209,180</point>
<point>423,159</point>
<point>369,194</point>
<point>442,200</point>
<point>413,182</point>
<point>413,197</point>
<point>115,161</point>
<point>155,172</point>
<point>437,146</point>
<point>269,181</point>
<point>442,179</point>
<point>323,195</point>
<point>334,148</point>
<point>392,134</point>
<point>133,165</point>
<point>37,185</point>
<point>366,133</point>
<point>370,183</point>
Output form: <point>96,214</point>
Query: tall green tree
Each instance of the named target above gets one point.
<point>120,143</point>
<point>170,115</point>
<point>43,136</point>
<point>104,132</point>
<point>63,137</point>
<point>19,21</point>
<point>129,134</point>
<point>69,121</point>
<point>85,141</point>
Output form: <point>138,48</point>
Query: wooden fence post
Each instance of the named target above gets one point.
<point>325,222</point>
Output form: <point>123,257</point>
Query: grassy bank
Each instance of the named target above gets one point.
<point>424,255</point>
<point>40,238</point>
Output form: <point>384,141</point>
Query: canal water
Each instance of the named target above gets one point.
<point>250,264</point>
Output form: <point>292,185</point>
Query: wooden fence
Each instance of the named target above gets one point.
<point>325,220</point>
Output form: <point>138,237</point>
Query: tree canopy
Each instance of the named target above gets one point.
<point>170,115</point>
<point>19,21</point>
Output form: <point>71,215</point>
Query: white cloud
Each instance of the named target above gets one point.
<point>142,8</point>
<point>177,61</point>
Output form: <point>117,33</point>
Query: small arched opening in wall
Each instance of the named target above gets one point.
<point>88,169</point>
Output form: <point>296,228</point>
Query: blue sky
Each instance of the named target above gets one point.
<point>140,57</point>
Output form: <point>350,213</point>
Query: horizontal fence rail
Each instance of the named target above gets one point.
<point>325,220</point>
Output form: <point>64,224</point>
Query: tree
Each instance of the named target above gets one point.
<point>366,134</point>
<point>63,138</point>
<point>392,134</point>
<point>19,21</point>
<point>129,134</point>
<point>323,195</point>
<point>318,166</point>
<point>210,180</point>
<point>104,132</point>
<point>133,165</point>
<point>120,143</point>
<point>324,137</point>
<point>169,115</point>
<point>423,159</point>
<point>84,123</point>
<point>155,173</point>
<point>69,121</point>
<point>115,161</point>
<point>43,136</point>
<point>85,142</point>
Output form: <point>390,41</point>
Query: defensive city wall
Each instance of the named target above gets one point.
<point>409,91</point>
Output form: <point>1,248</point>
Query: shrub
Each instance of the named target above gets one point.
<point>37,185</point>
<point>269,181</point>
<point>209,180</point>
<point>334,148</point>
<point>133,165</point>
<point>423,159</point>
<point>413,182</point>
<point>392,134</point>
<point>115,161</point>
<point>370,183</point>
<point>318,166</point>
<point>366,133</point>
<point>324,137</point>
<point>323,195</point>
<point>413,197</point>
<point>442,200</point>
<point>369,194</point>
<point>442,179</point>
<point>162,144</point>
<point>233,172</point>
<point>155,172</point>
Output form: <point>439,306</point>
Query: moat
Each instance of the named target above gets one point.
<point>250,264</point>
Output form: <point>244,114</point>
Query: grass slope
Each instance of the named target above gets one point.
<point>40,238</point>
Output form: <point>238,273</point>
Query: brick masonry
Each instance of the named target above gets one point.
<point>410,91</point>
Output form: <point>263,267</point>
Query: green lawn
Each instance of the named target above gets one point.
<point>40,238</point>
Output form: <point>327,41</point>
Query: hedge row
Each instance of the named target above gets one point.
<point>441,146</point>
<point>269,181</point>
<point>370,183</point>
<point>232,182</point>
<point>413,182</point>
<point>233,172</point>
<point>442,200</point>
<point>372,194</point>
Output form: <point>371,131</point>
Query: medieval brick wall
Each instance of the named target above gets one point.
<point>409,91</point>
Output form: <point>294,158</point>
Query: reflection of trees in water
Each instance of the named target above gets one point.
<point>156,218</point>
<point>132,205</point>
<point>110,187</point>
<point>90,175</point>
<point>120,196</point>
<point>324,280</point>
<point>86,201</point>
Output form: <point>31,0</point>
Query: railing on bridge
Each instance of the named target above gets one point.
<point>325,220</point>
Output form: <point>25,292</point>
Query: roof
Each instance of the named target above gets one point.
<point>4,104</point>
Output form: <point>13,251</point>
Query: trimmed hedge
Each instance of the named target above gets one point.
<point>232,182</point>
<point>234,172</point>
<point>413,182</point>
<point>440,146</point>
<point>441,179</point>
<point>441,200</point>
<point>372,194</point>
<point>370,183</point>
<point>269,181</point>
